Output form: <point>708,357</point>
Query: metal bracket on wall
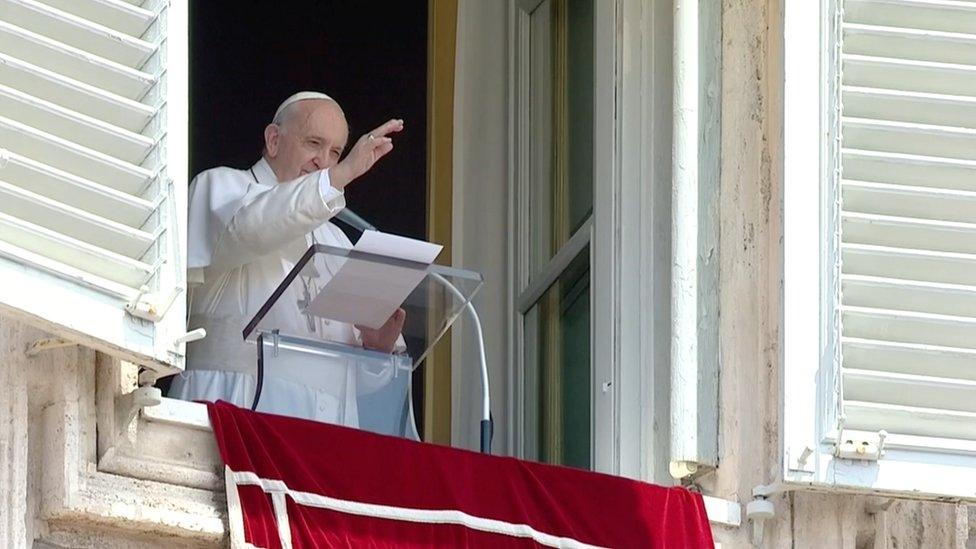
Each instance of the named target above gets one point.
<point>47,344</point>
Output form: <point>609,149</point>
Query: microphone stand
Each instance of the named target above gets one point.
<point>487,426</point>
<point>486,421</point>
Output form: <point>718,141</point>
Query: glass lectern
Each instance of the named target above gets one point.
<point>310,332</point>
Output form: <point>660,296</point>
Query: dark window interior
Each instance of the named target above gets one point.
<point>245,58</point>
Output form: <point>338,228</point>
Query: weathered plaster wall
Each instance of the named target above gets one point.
<point>750,295</point>
<point>15,528</point>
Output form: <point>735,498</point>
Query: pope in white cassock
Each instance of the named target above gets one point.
<point>247,229</point>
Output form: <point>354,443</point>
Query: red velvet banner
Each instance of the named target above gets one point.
<point>298,483</point>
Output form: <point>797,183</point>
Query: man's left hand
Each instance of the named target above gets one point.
<point>385,337</point>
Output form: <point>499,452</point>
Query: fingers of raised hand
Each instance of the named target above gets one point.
<point>371,141</point>
<point>391,126</point>
<point>382,148</point>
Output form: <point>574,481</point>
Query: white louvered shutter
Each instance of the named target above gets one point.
<point>908,220</point>
<point>93,124</point>
<point>908,229</point>
<point>879,327</point>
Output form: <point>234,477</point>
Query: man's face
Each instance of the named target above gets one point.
<point>310,138</point>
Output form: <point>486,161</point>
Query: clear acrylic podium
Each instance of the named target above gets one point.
<point>308,335</point>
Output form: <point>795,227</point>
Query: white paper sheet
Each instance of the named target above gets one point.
<point>400,247</point>
<point>365,293</point>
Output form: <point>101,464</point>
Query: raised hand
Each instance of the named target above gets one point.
<point>384,338</point>
<point>364,153</point>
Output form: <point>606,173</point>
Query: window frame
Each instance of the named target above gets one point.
<point>629,241</point>
<point>526,293</point>
<point>810,403</point>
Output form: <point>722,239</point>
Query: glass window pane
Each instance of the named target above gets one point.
<point>557,370</point>
<point>540,137</point>
<point>560,192</point>
<point>579,91</point>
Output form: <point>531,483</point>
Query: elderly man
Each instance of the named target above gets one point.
<point>247,229</point>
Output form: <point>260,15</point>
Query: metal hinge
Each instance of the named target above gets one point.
<point>38,346</point>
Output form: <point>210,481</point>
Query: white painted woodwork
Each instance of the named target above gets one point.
<point>92,131</point>
<point>908,229</point>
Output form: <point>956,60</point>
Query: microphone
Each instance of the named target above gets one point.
<point>352,219</point>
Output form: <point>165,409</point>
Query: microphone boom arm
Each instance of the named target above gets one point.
<point>352,219</point>
<point>486,423</point>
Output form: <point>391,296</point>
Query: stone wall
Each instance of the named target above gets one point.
<point>71,475</point>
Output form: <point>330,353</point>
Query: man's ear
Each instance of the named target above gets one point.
<point>271,135</point>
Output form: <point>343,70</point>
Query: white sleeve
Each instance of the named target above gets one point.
<point>270,219</point>
<point>214,197</point>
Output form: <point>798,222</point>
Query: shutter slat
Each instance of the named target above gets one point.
<point>72,94</point>
<point>73,158</point>
<point>73,63</point>
<point>944,15</point>
<point>909,264</point>
<point>886,230</point>
<point>908,295</point>
<point>78,128</point>
<point>909,169</point>
<point>908,75</point>
<point>74,252</point>
<point>908,43</point>
<point>929,422</point>
<point>909,358</point>
<point>65,219</point>
<point>909,327</point>
<point>907,106</point>
<point>920,391</point>
<point>114,14</point>
<point>82,193</point>
<point>909,201</point>
<point>46,264</point>
<point>76,32</point>
<point>910,138</point>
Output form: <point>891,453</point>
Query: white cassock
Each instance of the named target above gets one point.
<point>246,232</point>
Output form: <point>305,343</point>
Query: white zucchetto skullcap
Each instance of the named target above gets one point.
<point>300,96</point>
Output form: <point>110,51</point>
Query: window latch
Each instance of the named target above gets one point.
<point>151,307</point>
<point>862,446</point>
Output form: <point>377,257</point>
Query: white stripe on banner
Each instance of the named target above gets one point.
<point>406,514</point>
<point>235,515</point>
<point>281,517</point>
